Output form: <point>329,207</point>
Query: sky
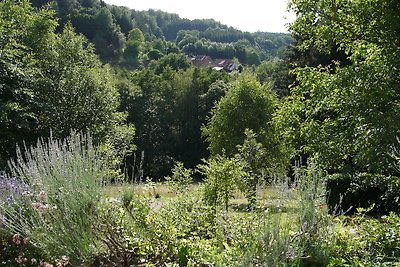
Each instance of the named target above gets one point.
<point>247,15</point>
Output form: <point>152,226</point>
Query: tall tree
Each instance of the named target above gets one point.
<point>348,115</point>
<point>77,92</point>
<point>134,46</point>
<point>52,82</point>
<point>24,33</point>
<point>247,105</point>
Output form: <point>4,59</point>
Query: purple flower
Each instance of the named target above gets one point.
<point>11,189</point>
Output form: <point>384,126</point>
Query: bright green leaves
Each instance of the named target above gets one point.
<point>19,69</point>
<point>222,176</point>
<point>80,92</point>
<point>134,46</point>
<point>246,105</point>
<point>52,81</point>
<point>241,132</point>
<point>349,116</point>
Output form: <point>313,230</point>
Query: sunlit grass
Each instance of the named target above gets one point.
<point>273,199</point>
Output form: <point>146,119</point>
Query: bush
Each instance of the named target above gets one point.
<point>364,241</point>
<point>57,213</point>
<point>349,192</point>
<point>139,231</point>
<point>222,176</point>
<point>181,178</point>
<point>381,239</point>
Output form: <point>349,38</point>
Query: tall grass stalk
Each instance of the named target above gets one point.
<point>66,178</point>
<point>314,224</point>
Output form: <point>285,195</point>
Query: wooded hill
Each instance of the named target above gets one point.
<point>108,27</point>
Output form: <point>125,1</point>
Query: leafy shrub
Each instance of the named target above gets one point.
<point>253,158</point>
<point>364,241</point>
<point>381,239</point>
<point>181,178</point>
<point>137,230</point>
<point>349,192</point>
<point>121,226</point>
<point>222,176</point>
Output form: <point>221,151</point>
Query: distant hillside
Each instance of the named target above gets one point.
<point>108,27</point>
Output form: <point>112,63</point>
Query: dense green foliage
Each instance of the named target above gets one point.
<point>19,70</point>
<point>347,192</point>
<point>168,110</point>
<point>222,176</point>
<point>343,110</point>
<point>347,115</point>
<point>329,105</point>
<point>247,105</point>
<point>108,28</point>
<point>53,82</point>
<point>166,99</point>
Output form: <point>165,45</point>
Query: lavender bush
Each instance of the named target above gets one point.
<point>13,192</point>
<point>58,208</point>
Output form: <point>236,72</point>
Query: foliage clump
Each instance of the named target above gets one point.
<point>181,178</point>
<point>247,105</point>
<point>222,176</point>
<point>58,211</point>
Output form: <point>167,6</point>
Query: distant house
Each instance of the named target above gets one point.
<point>203,61</point>
<point>218,64</point>
<point>227,64</point>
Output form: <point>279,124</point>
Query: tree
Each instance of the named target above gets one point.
<point>24,32</point>
<point>79,93</point>
<point>255,161</point>
<point>209,99</point>
<point>123,18</point>
<point>136,35</point>
<point>108,39</point>
<point>247,105</point>
<point>205,88</point>
<point>175,61</point>
<point>276,72</point>
<point>222,175</point>
<point>134,46</point>
<point>348,114</point>
<point>252,58</point>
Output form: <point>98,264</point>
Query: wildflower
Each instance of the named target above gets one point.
<point>41,208</point>
<point>64,261</point>
<point>36,205</point>
<point>33,261</point>
<point>46,264</point>
<point>26,240</point>
<point>10,199</point>
<point>42,196</point>
<point>65,258</point>
<point>16,239</point>
<point>21,259</point>
<point>18,260</point>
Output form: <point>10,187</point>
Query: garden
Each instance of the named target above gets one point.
<point>121,152</point>
<point>59,209</point>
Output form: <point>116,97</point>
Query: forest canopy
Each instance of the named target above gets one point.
<point>108,28</point>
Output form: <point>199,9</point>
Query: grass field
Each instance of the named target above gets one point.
<point>275,199</point>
